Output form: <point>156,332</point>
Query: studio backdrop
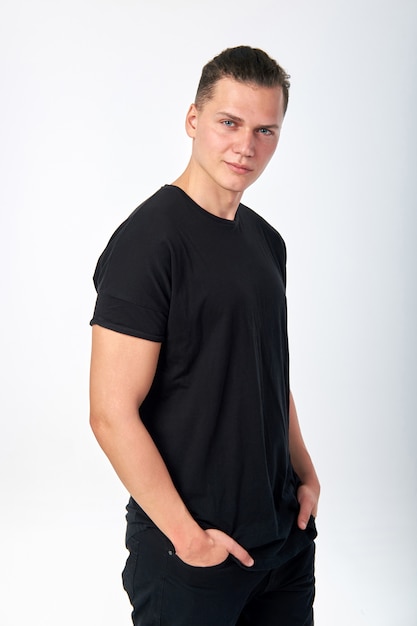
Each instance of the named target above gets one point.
<point>93,99</point>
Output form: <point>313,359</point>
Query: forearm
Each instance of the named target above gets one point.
<point>300,458</point>
<point>122,371</point>
<point>304,468</point>
<point>309,491</point>
<point>140,467</point>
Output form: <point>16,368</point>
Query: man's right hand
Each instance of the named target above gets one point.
<point>213,548</point>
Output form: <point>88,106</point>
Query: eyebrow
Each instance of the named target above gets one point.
<point>235,118</point>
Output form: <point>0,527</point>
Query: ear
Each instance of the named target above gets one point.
<point>191,121</point>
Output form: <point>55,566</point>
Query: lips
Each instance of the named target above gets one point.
<point>238,168</point>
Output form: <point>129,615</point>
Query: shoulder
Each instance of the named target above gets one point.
<point>156,217</point>
<point>256,221</point>
<point>143,241</point>
<point>152,223</point>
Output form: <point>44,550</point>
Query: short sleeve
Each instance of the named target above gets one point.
<point>132,279</point>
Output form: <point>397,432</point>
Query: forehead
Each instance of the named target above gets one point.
<point>246,99</point>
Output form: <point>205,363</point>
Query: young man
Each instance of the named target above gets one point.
<point>190,395</point>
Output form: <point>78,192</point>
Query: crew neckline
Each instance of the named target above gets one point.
<point>207,214</point>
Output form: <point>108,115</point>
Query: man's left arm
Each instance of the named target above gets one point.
<point>309,490</point>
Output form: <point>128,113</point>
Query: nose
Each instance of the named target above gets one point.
<point>245,144</point>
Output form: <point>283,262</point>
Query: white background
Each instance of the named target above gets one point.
<point>93,98</point>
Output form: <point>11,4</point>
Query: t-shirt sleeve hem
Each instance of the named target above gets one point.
<point>125,330</point>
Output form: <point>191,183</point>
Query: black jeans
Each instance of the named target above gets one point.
<point>165,591</point>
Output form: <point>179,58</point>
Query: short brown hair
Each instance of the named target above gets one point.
<point>245,64</point>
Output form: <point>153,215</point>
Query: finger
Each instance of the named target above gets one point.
<point>232,546</point>
<point>304,516</point>
<point>241,554</point>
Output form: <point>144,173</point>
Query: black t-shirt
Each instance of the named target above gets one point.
<point>212,291</point>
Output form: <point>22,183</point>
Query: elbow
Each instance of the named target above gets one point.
<point>100,422</point>
<point>107,421</point>
<point>95,421</point>
<point>96,424</point>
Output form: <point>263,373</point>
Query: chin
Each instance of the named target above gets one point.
<point>238,186</point>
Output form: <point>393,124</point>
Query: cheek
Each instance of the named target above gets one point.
<point>205,137</point>
<point>212,142</point>
<point>267,151</point>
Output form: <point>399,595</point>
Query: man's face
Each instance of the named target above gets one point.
<point>235,134</point>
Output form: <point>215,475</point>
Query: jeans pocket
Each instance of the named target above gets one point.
<point>221,565</point>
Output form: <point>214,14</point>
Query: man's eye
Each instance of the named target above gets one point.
<point>228,123</point>
<point>265,131</point>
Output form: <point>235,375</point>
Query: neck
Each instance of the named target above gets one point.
<point>218,201</point>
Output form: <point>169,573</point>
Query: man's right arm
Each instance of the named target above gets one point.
<point>122,371</point>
